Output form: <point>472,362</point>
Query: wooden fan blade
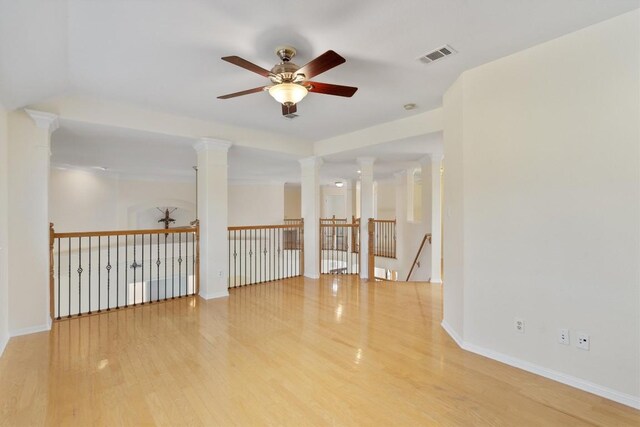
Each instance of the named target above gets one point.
<point>329,89</point>
<point>244,92</point>
<point>289,109</point>
<point>236,60</point>
<point>322,63</point>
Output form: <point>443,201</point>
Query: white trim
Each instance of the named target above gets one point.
<point>3,344</point>
<point>43,120</point>
<point>453,334</point>
<point>579,383</point>
<point>214,295</point>
<point>312,276</point>
<point>205,144</point>
<point>311,161</point>
<point>30,330</point>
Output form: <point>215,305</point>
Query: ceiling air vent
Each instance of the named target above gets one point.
<point>437,54</point>
<point>290,116</point>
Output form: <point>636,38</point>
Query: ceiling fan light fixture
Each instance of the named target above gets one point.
<point>288,93</point>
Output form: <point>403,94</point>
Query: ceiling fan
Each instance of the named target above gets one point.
<point>290,83</point>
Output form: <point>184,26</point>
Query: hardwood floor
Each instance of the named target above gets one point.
<point>299,352</point>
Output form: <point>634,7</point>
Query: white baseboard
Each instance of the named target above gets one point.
<point>579,383</point>
<point>3,344</point>
<point>31,330</point>
<point>214,295</point>
<point>312,276</point>
<point>453,334</point>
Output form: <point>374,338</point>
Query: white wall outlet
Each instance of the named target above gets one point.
<point>519,325</point>
<point>583,341</point>
<point>219,273</point>
<point>563,336</point>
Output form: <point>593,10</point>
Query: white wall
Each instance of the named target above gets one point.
<point>28,224</point>
<point>256,204</point>
<point>4,230</point>
<point>386,198</point>
<point>333,201</point>
<point>292,201</point>
<point>542,207</point>
<point>80,200</point>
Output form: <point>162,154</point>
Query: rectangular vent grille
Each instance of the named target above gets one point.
<point>290,116</point>
<point>437,54</point>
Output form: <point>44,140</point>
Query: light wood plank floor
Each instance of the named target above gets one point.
<point>300,352</point>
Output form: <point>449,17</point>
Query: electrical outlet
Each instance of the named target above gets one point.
<point>219,273</point>
<point>519,325</point>
<point>563,336</point>
<point>583,341</point>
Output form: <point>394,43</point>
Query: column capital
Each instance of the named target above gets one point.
<point>425,160</point>
<point>401,174</point>
<point>366,161</point>
<point>206,144</point>
<point>311,161</point>
<point>44,120</point>
<point>436,157</point>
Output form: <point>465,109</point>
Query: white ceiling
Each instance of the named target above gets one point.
<point>165,55</point>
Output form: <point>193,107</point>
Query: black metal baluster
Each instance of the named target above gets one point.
<point>193,263</point>
<point>165,266</point>
<point>59,284</point>
<point>252,247</point>
<point>150,266</point>
<point>173,263</point>
<point>79,275</point>
<point>135,268</point>
<point>118,272</point>
<point>158,269</point>
<point>186,265</point>
<point>179,264</point>
<point>126,271</point>
<point>69,257</point>
<point>142,264</point>
<point>99,271</point>
<point>235,258</point>
<point>108,273</point>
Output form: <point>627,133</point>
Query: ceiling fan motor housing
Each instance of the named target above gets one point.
<point>284,72</point>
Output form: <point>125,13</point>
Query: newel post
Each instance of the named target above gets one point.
<point>51,273</point>
<point>371,265</point>
<point>197,227</point>
<point>301,260</point>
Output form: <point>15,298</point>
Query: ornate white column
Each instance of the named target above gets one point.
<point>436,218</point>
<point>400,181</point>
<point>424,273</point>
<point>28,203</point>
<point>212,213</point>
<point>366,211</point>
<point>310,199</point>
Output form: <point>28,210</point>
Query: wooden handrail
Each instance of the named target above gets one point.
<point>415,260</point>
<point>125,232</point>
<point>337,225</point>
<point>256,227</point>
<point>384,220</point>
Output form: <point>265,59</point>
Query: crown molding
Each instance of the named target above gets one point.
<point>207,144</point>
<point>44,120</point>
<point>311,161</point>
